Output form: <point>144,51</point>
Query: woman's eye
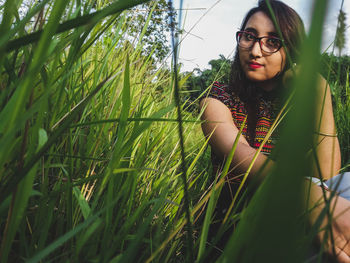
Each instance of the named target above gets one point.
<point>249,37</point>
<point>273,42</point>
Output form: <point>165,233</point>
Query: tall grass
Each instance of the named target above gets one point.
<point>90,155</point>
<point>341,96</point>
<point>89,152</point>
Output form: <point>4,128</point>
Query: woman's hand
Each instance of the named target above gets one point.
<point>341,230</point>
<point>339,224</point>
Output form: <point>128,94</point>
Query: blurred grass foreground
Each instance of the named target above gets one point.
<point>90,160</point>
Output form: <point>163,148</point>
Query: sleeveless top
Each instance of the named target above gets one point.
<point>268,107</point>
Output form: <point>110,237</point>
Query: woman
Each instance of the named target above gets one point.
<point>256,90</point>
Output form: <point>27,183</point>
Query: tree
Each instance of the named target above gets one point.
<point>200,80</point>
<point>155,38</point>
<point>219,71</point>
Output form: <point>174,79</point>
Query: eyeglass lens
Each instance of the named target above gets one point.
<point>267,44</point>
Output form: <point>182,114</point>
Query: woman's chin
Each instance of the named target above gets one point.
<point>256,78</point>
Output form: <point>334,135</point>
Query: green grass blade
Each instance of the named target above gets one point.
<point>122,123</point>
<point>132,119</point>
<point>15,106</point>
<point>20,200</point>
<point>60,241</point>
<point>215,195</point>
<point>4,38</point>
<point>93,18</point>
<point>83,204</point>
<point>62,125</point>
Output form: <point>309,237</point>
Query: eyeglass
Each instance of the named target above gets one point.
<point>268,44</point>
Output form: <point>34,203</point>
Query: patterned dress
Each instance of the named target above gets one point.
<point>267,111</point>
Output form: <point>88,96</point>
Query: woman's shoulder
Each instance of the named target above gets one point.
<point>219,88</point>
<point>222,92</point>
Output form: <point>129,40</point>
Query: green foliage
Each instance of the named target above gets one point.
<point>198,81</point>
<point>201,80</point>
<point>341,107</point>
<point>334,68</point>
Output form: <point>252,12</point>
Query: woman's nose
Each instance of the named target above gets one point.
<point>256,49</point>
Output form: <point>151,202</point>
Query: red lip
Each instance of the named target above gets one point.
<point>254,65</point>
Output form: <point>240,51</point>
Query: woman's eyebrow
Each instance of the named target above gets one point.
<point>251,29</point>
<point>275,34</point>
<point>255,32</point>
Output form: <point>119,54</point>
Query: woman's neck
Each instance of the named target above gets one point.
<point>268,85</point>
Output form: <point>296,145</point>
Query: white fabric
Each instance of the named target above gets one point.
<point>341,184</point>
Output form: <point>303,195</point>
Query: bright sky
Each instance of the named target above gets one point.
<point>215,24</point>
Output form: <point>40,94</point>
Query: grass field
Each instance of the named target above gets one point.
<point>90,159</point>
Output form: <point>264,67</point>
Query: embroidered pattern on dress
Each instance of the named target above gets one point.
<point>267,112</point>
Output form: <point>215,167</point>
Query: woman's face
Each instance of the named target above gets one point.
<point>257,65</point>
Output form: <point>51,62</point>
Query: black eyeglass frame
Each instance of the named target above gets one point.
<point>258,39</point>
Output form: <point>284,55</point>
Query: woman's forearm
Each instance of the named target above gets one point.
<point>261,167</point>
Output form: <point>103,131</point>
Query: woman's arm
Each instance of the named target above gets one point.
<point>326,165</point>
<point>326,141</point>
<point>219,123</point>
<point>329,163</point>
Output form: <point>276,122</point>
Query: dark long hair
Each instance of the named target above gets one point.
<point>293,33</point>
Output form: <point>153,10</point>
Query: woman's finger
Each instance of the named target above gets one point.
<point>341,256</point>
